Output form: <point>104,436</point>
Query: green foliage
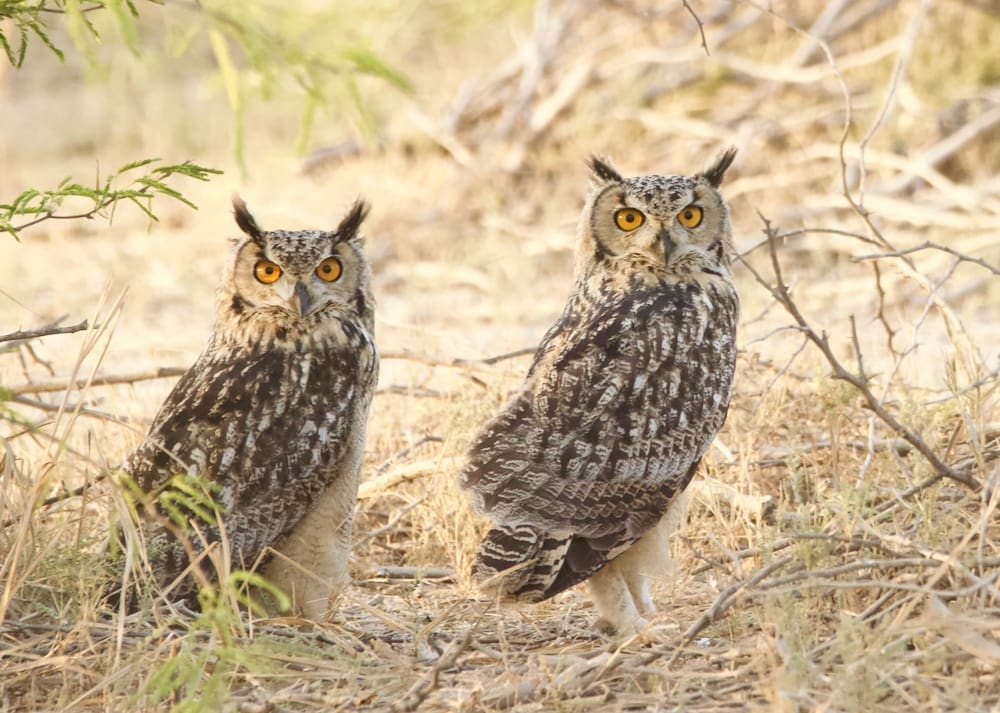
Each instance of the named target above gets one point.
<point>241,583</point>
<point>103,197</point>
<point>216,650</point>
<point>254,46</point>
<point>32,17</point>
<point>186,496</point>
<point>198,676</point>
<point>28,20</point>
<point>266,48</point>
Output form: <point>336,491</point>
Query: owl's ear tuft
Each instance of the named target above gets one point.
<point>245,220</point>
<point>717,170</point>
<point>603,170</point>
<point>351,223</point>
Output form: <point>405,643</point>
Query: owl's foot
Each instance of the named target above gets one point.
<point>619,630</point>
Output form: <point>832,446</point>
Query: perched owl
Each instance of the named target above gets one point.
<point>583,472</point>
<point>271,417</point>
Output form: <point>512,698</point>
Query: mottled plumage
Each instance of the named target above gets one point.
<point>272,413</point>
<point>583,471</point>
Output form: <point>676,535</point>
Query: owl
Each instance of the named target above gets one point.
<point>583,472</point>
<point>271,419</point>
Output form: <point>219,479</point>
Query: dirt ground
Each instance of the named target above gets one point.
<point>842,547</point>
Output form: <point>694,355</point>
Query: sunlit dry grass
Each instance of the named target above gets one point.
<point>825,564</point>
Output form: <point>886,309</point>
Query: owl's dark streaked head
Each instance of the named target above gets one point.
<point>297,278</point>
<point>662,220</point>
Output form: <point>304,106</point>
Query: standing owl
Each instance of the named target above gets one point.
<point>271,417</point>
<point>583,472</point>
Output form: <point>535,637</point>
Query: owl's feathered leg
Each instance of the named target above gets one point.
<point>621,590</point>
<point>650,556</point>
<point>313,560</point>
<point>613,599</point>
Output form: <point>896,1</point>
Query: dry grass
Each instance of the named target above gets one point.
<point>830,561</point>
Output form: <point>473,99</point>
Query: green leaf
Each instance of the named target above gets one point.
<point>81,30</point>
<point>231,79</point>
<point>125,14</point>
<point>137,164</point>
<point>365,61</point>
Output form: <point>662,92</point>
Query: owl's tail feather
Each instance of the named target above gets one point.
<point>520,562</point>
<point>526,564</point>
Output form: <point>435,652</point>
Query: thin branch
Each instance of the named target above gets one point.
<point>801,232</point>
<point>906,49</point>
<point>417,392</point>
<point>978,383</point>
<point>928,245</point>
<point>387,571</point>
<point>103,196</point>
<point>726,599</point>
<point>455,362</point>
<point>419,691</point>
<point>403,452</point>
<point>83,410</point>
<point>163,372</point>
<point>389,526</point>
<point>26,334</point>
<point>59,11</point>
<point>54,499</point>
<point>701,26</point>
<point>780,292</point>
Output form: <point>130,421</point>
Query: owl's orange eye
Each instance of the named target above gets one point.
<point>266,271</point>
<point>629,219</point>
<point>329,269</point>
<point>691,216</point>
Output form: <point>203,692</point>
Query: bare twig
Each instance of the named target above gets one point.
<point>380,484</point>
<point>726,599</point>
<point>456,362</point>
<point>419,691</point>
<point>701,27</point>
<point>928,245</point>
<point>391,525</point>
<point>859,381</point>
<point>49,330</point>
<point>163,372</point>
<point>441,574</point>
<point>83,410</point>
<point>403,452</point>
<point>416,392</point>
<point>977,384</point>
<point>948,146</point>
<point>902,61</point>
<point>53,499</point>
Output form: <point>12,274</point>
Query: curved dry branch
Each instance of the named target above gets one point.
<point>858,380</point>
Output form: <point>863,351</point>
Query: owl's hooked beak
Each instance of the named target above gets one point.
<point>668,245</point>
<point>302,298</point>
